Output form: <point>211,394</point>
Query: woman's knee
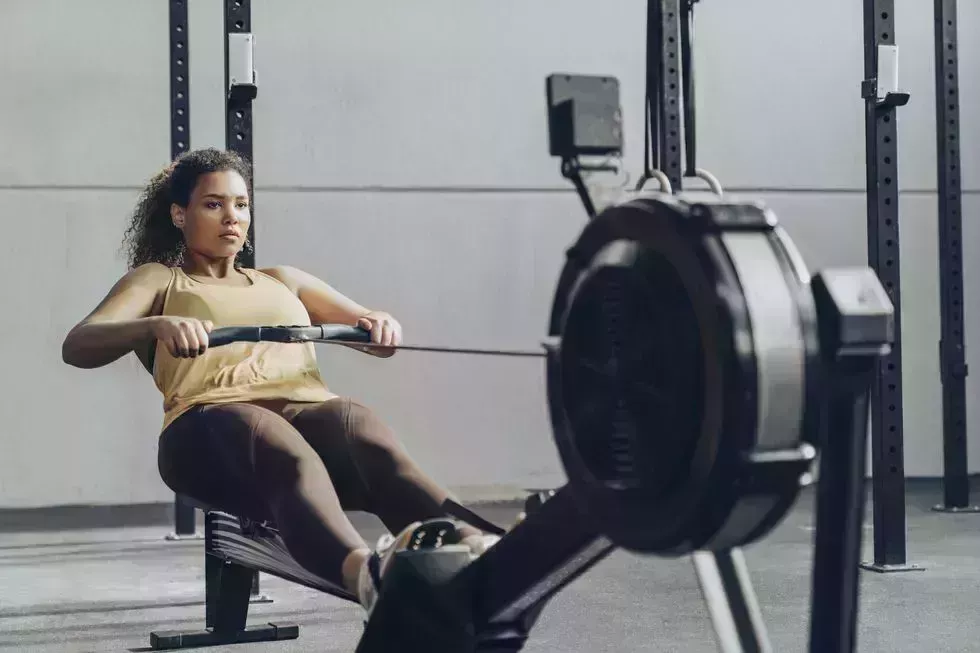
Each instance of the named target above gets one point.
<point>375,446</point>
<point>281,458</point>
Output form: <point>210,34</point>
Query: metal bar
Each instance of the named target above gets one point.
<point>238,122</point>
<point>888,464</point>
<point>690,105</point>
<point>571,171</point>
<point>654,64</point>
<point>507,353</point>
<point>840,513</point>
<point>185,518</point>
<point>238,138</point>
<point>952,349</point>
<point>180,140</point>
<point>732,604</point>
<point>539,556</point>
<point>180,87</point>
<point>671,141</point>
<point>348,336</point>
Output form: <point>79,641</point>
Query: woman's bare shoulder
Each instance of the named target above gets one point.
<point>155,276</point>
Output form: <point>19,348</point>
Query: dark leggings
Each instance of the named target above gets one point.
<point>299,466</point>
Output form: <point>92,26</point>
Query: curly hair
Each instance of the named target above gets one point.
<point>151,236</point>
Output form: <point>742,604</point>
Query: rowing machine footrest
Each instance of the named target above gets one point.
<point>415,612</point>
<point>174,639</point>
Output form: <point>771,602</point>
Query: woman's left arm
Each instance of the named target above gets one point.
<point>327,305</point>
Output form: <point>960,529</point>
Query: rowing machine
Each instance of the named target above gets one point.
<point>693,366</point>
<point>697,368</point>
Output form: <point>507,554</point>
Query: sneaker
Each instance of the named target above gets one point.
<point>480,543</point>
<point>369,578</point>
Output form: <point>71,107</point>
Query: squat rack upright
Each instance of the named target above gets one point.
<point>882,98</point>
<point>241,90</point>
<point>180,138</point>
<point>880,92</point>
<point>952,349</point>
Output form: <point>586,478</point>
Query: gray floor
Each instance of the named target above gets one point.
<point>106,590</point>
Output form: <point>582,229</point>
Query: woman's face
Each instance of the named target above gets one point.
<point>215,221</point>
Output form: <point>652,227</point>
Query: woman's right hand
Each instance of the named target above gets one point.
<point>184,337</point>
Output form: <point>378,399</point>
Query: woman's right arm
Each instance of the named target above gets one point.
<point>121,322</point>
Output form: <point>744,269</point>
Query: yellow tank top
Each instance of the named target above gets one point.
<point>240,371</point>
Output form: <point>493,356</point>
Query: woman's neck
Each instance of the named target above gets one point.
<point>201,266</point>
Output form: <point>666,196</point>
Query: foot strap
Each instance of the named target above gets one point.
<point>458,511</point>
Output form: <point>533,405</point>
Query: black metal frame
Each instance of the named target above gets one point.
<point>952,349</point>
<point>238,138</point>
<point>664,95</point>
<point>731,600</point>
<point>185,516</point>
<point>888,456</point>
<point>238,107</point>
<point>516,578</point>
<point>841,498</point>
<point>688,88</point>
<point>180,87</point>
<point>230,585</point>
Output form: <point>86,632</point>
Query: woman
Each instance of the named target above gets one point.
<point>251,428</point>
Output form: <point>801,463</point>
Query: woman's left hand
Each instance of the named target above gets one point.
<point>385,330</point>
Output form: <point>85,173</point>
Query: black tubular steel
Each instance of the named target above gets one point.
<point>687,76</point>
<point>238,121</point>
<point>180,140</point>
<point>520,573</point>
<point>840,511</point>
<point>888,465</point>
<point>952,350</point>
<point>180,87</point>
<point>671,93</point>
<point>731,601</point>
<point>185,518</point>
<point>238,137</point>
<point>654,55</point>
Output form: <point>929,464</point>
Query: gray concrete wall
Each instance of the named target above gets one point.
<point>424,122</point>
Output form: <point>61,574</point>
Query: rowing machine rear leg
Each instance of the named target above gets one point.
<point>228,589</point>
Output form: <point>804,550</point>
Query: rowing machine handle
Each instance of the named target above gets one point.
<point>317,332</point>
